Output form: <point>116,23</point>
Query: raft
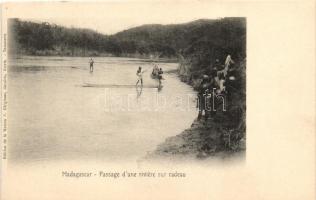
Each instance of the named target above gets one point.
<point>96,85</point>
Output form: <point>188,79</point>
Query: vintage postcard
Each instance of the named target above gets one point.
<point>158,100</point>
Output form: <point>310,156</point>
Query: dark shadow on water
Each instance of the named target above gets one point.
<point>33,69</point>
<point>27,69</point>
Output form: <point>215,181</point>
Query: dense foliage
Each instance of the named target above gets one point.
<point>212,37</point>
<point>36,38</point>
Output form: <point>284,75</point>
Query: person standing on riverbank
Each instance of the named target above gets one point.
<point>91,61</point>
<point>203,91</point>
<point>228,61</point>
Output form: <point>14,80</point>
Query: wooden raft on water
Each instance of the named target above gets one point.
<point>116,86</point>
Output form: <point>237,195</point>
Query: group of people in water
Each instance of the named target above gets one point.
<point>156,74</point>
<point>214,83</point>
<point>215,80</point>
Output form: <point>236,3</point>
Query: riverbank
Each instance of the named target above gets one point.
<point>203,140</point>
<point>220,136</point>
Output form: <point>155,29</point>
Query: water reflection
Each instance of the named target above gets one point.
<point>139,91</point>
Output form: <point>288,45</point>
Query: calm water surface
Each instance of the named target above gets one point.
<point>52,117</point>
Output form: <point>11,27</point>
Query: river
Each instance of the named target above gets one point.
<point>52,116</point>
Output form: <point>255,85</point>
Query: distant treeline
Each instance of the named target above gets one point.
<point>49,39</point>
<point>204,39</point>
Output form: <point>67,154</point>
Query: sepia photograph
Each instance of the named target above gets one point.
<point>152,91</point>
<point>138,100</point>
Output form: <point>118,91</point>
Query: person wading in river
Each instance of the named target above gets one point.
<point>160,72</point>
<point>139,74</point>
<point>91,64</point>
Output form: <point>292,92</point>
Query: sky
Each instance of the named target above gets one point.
<point>105,26</point>
<point>110,18</point>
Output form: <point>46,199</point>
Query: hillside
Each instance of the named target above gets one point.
<point>168,40</point>
<point>155,37</point>
<point>31,38</point>
<point>158,40</point>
